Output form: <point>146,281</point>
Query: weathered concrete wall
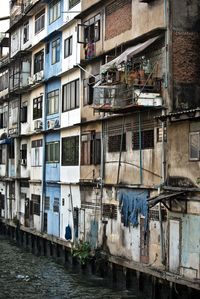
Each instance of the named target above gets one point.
<point>178,153</point>
<point>131,166</point>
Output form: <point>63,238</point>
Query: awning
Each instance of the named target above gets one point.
<point>163,197</point>
<point>129,53</point>
<point>6,141</point>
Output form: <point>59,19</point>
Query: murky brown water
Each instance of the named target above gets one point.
<point>23,275</point>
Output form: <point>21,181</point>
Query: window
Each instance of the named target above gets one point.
<point>24,154</point>
<point>56,205</point>
<point>68,46</point>
<point>36,152</point>
<point>114,143</point>
<point>39,21</point>
<point>47,203</point>
<point>194,146</point>
<point>54,11</point>
<point>52,102</point>
<point>89,32</point>
<point>3,154</point>
<point>70,95</point>
<point>53,152</point>
<point>15,112</point>
<point>88,92</point>
<point>3,117</point>
<point>56,51</point>
<point>39,61</point>
<point>26,32</point>
<point>73,3</point>
<point>11,151</point>
<point>90,149</point>
<point>70,151</point>
<point>37,107</point>
<point>2,201</point>
<point>147,140</point>
<point>36,204</point>
<point>24,113</point>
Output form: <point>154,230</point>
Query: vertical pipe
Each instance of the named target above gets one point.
<point>43,161</point>
<point>101,168</point>
<point>72,208</point>
<point>161,236</point>
<point>140,147</point>
<point>120,153</point>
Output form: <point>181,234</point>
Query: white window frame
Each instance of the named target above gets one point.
<point>53,102</point>
<point>54,11</point>
<point>40,21</point>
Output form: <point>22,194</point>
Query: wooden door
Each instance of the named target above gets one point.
<point>144,243</point>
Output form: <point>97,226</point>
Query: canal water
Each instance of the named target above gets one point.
<point>23,275</point>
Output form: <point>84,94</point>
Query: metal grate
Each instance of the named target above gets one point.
<point>110,211</point>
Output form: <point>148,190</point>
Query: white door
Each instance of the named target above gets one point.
<point>174,245</point>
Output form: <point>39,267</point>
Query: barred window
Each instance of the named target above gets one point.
<point>56,205</point>
<point>47,203</point>
<point>70,151</point>
<point>110,211</point>
<point>147,140</point>
<point>114,143</point>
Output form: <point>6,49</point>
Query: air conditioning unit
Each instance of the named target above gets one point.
<point>57,124</point>
<point>50,124</point>
<point>23,162</point>
<point>37,125</point>
<point>31,80</point>
<point>39,76</point>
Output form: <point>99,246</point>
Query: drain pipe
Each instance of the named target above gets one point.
<point>140,146</point>
<point>43,163</point>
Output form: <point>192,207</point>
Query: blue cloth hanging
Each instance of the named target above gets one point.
<point>132,204</point>
<point>68,233</point>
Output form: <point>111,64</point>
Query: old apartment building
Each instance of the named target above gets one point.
<point>100,129</point>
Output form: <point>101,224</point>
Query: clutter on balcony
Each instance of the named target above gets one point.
<point>129,81</point>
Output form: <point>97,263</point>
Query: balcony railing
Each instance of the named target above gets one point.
<point>119,97</point>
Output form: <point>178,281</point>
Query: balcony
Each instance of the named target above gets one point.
<point>16,11</point>
<point>123,98</point>
<point>133,80</point>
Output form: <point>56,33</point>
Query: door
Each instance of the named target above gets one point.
<point>174,245</point>
<point>45,222</point>
<point>27,211</point>
<point>144,242</point>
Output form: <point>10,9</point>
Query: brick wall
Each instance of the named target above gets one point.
<point>118,18</point>
<point>186,70</point>
<point>186,57</point>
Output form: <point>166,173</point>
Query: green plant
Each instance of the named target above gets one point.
<point>82,252</point>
